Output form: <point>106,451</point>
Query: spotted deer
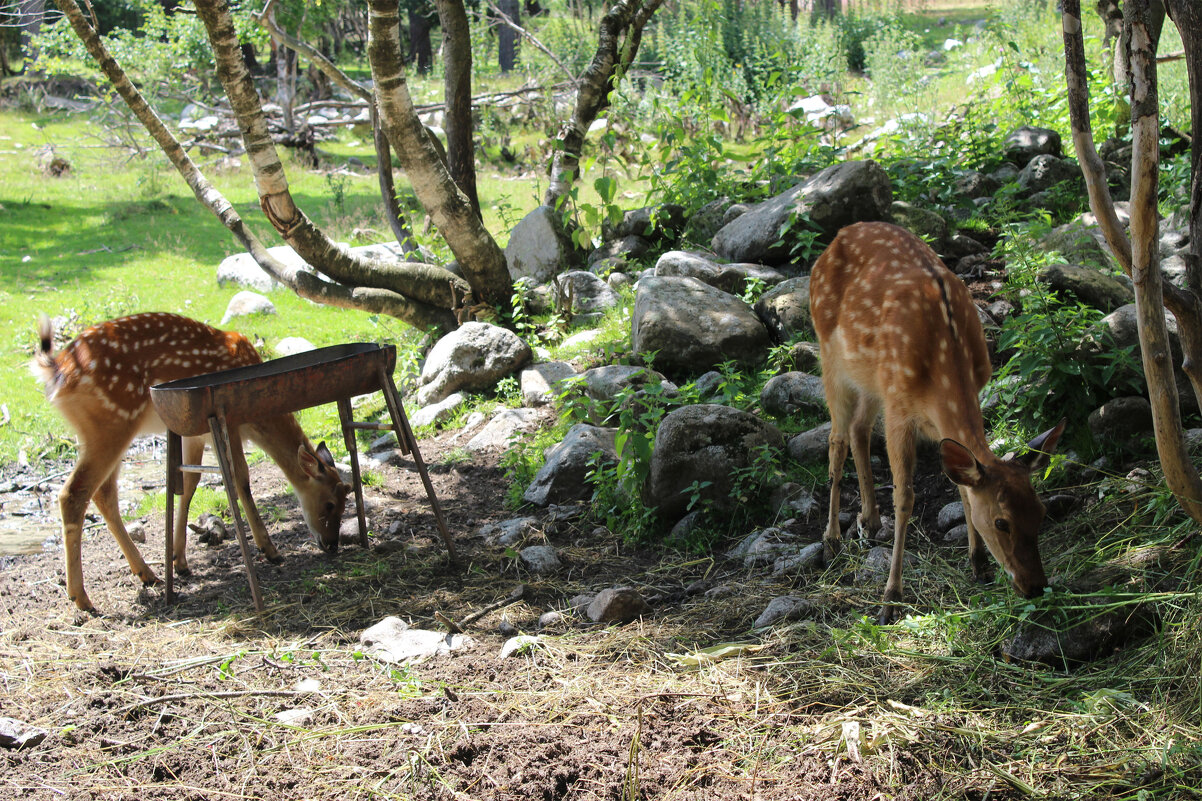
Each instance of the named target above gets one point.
<point>101,382</point>
<point>898,331</point>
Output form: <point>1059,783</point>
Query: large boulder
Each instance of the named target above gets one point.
<point>837,196</point>
<point>1025,143</point>
<point>584,294</point>
<point>692,326</point>
<point>470,359</point>
<point>785,308</point>
<point>1089,285</point>
<point>701,449</point>
<point>563,478</point>
<point>731,278</point>
<point>540,247</point>
<point>1044,172</point>
<point>785,395</point>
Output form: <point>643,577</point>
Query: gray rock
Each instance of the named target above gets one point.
<point>563,476</point>
<point>1096,637</point>
<point>437,412</point>
<point>617,254</point>
<point>1044,172</point>
<point>246,303</point>
<point>607,382</point>
<point>1025,143</point>
<point>658,223</point>
<point>1079,242</point>
<point>553,618</point>
<point>540,559</point>
<point>242,270</point>
<point>812,446</point>
<point>783,609</point>
<point>540,247</point>
<point>730,278</point>
<point>805,357</point>
<point>767,545</point>
<point>509,532</point>
<point>1121,419</point>
<point>808,557</point>
<point>588,294</point>
<point>950,515</point>
<point>704,443</point>
<point>693,327</point>
<point>957,535</point>
<point>15,734</point>
<point>787,394</point>
<point>959,246</point>
<point>693,522</point>
<point>617,605</point>
<point>785,308</point>
<point>1087,284</point>
<point>793,500</point>
<point>471,358</point>
<point>503,427</point>
<point>290,346</point>
<point>543,383</point>
<point>708,384</point>
<point>833,198</point>
<point>520,645</point>
<point>974,184</point>
<point>391,640</point>
<point>875,569</point>
<point>706,221</point>
<point>926,224</point>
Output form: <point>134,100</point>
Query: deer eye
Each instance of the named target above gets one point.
<point>1002,525</point>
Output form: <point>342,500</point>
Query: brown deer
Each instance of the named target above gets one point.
<point>898,331</point>
<point>101,381</point>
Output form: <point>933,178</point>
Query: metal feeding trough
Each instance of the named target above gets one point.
<point>218,403</point>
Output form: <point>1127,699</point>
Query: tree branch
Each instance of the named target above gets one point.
<point>301,282</point>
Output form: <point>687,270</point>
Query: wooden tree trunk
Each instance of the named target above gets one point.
<point>1140,258</point>
<point>507,37</point>
<point>313,287</point>
<point>419,40</point>
<point>457,85</point>
<point>482,260</point>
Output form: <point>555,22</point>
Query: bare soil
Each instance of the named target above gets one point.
<point>149,701</point>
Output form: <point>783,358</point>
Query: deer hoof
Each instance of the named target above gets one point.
<point>275,559</point>
<point>889,614</point>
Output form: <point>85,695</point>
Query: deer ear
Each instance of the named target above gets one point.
<point>323,453</point>
<point>1041,448</point>
<point>960,465</point>
<point>309,460</point>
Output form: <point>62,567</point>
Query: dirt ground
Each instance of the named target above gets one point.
<point>206,699</point>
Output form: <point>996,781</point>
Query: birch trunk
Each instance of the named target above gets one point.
<point>423,283</point>
<point>482,260</point>
<point>307,285</point>
<point>457,87</point>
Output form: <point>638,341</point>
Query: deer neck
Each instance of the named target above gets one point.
<point>281,438</point>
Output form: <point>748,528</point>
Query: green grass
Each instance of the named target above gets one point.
<point>121,234</point>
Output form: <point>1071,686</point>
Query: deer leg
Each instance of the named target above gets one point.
<point>96,462</point>
<point>861,434</point>
<point>105,499</point>
<point>242,485</point>
<point>900,441</point>
<point>192,453</point>
<point>978,555</point>
<point>841,401</point>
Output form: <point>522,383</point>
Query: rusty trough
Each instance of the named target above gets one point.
<point>218,403</point>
